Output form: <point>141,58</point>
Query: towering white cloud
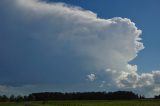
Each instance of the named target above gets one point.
<point>55,43</point>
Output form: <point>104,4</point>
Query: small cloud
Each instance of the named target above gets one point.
<point>91,77</point>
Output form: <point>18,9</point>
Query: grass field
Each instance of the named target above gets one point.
<point>88,103</point>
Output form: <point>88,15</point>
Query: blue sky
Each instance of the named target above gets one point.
<point>79,45</point>
<point>145,14</point>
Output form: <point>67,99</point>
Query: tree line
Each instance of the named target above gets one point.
<point>44,96</point>
<point>85,95</point>
<point>157,97</point>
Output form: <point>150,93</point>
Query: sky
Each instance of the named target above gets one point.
<point>79,45</point>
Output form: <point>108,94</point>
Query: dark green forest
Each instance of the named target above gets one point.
<point>46,96</point>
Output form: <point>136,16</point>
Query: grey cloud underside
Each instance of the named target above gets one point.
<point>56,44</point>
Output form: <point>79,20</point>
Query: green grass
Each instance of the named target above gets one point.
<point>89,103</point>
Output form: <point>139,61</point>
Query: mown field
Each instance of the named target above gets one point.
<point>87,103</point>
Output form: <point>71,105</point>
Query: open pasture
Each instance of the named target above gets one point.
<point>87,103</point>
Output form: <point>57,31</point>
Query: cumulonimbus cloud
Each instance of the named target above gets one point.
<point>47,42</point>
